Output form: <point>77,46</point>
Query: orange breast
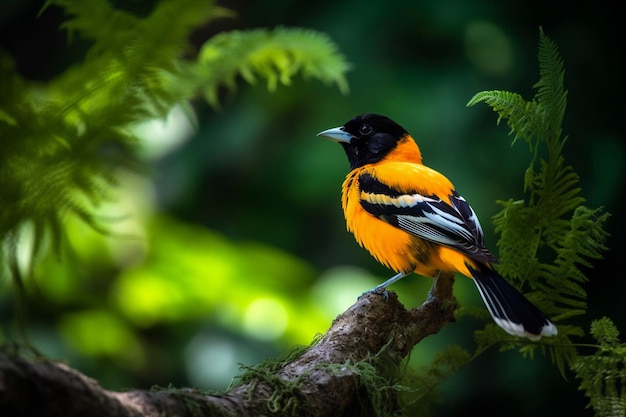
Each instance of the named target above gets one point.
<point>390,246</point>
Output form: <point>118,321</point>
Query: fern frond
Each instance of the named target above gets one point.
<point>124,31</point>
<point>521,115</point>
<point>562,351</point>
<point>554,189</point>
<point>583,241</point>
<point>64,141</point>
<point>547,239</point>
<point>276,55</point>
<point>551,95</point>
<point>134,62</point>
<point>603,374</point>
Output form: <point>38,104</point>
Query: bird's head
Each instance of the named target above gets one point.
<point>370,138</point>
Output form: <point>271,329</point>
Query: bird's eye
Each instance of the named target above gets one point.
<point>365,129</point>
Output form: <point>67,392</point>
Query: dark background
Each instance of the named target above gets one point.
<point>255,172</point>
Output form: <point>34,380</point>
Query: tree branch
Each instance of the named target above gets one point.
<point>323,381</point>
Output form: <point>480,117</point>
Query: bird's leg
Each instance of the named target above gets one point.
<point>382,288</point>
<point>431,292</point>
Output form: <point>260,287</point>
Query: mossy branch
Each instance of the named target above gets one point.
<point>351,371</point>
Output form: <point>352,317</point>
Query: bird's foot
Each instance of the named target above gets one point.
<point>431,294</point>
<point>433,287</point>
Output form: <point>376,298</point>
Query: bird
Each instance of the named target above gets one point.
<point>412,220</point>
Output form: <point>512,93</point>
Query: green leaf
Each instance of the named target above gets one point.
<point>550,236</point>
<point>275,55</point>
<point>64,141</point>
<point>603,374</point>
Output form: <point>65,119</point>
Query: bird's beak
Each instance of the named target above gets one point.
<point>337,134</point>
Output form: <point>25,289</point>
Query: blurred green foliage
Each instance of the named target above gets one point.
<point>71,142</point>
<point>239,225</point>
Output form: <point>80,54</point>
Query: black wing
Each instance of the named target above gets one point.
<point>428,217</point>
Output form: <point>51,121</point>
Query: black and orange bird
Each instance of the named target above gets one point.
<point>411,219</point>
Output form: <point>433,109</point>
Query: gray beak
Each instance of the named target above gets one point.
<point>337,134</point>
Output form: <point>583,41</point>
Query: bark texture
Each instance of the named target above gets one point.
<point>326,380</point>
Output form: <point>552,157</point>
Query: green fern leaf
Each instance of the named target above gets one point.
<point>603,374</point>
<point>547,239</point>
<point>276,55</point>
<point>64,141</point>
<point>520,114</point>
<point>550,93</point>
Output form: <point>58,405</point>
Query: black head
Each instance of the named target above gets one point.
<point>366,138</point>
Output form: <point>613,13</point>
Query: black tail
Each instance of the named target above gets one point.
<point>510,309</point>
